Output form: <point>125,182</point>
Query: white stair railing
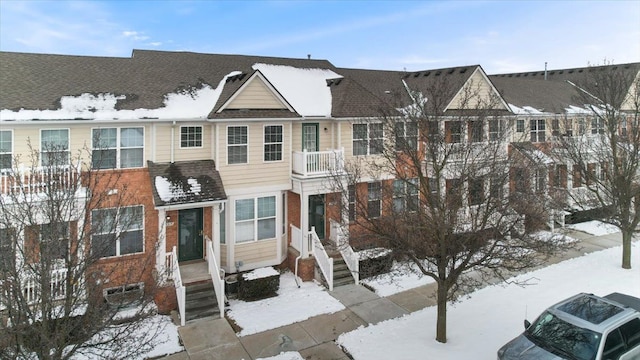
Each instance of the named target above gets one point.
<point>296,238</point>
<point>324,261</point>
<point>217,275</point>
<point>338,236</point>
<point>177,282</point>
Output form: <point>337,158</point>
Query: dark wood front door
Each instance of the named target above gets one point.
<point>316,214</point>
<point>190,244</point>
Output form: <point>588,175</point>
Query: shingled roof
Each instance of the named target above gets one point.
<point>185,182</point>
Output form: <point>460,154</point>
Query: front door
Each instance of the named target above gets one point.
<point>316,214</point>
<point>190,244</point>
<point>310,137</point>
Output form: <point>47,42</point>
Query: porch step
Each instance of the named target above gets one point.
<point>201,301</point>
<point>341,273</point>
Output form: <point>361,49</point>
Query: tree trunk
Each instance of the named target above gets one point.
<point>626,248</point>
<point>441,323</point>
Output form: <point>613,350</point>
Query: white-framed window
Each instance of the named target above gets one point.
<point>117,231</point>
<point>582,126</point>
<point>7,251</point>
<point>537,130</point>
<point>255,219</point>
<point>453,132</point>
<point>368,139</point>
<point>351,198</point>
<point>597,126</point>
<point>520,125</point>
<point>117,148</point>
<point>541,180</point>
<point>54,240</point>
<point>54,147</point>
<point>476,191</point>
<point>496,130</point>
<point>405,195</point>
<point>476,131</point>
<point>406,135</point>
<point>273,138</point>
<point>190,137</point>
<point>374,203</point>
<point>237,144</point>
<point>6,149</point>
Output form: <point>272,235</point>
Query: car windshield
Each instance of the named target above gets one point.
<point>560,337</point>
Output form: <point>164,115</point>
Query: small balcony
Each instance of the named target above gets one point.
<point>309,164</point>
<point>24,180</point>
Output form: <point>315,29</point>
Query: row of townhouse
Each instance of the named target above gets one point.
<point>230,156</point>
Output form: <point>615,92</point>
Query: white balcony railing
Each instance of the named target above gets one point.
<point>31,287</point>
<point>318,163</point>
<point>33,180</point>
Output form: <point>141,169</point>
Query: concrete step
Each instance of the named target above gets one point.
<point>201,301</point>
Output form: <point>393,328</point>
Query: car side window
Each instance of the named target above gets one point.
<point>631,333</point>
<point>614,346</point>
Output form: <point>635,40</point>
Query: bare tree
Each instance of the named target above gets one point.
<point>447,208</point>
<point>59,224</point>
<point>606,156</point>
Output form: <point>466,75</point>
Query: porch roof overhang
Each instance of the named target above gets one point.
<point>185,184</point>
<point>536,156</point>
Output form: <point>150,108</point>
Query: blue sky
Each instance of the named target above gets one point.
<point>502,36</point>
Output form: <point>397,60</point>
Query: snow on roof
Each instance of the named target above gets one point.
<point>169,191</point>
<point>192,103</point>
<point>305,89</point>
<point>525,110</point>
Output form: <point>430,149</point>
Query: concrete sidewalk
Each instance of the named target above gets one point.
<point>314,338</point>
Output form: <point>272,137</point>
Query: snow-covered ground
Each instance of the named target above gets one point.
<point>292,304</point>
<point>594,227</point>
<point>402,277</point>
<point>289,355</point>
<point>490,317</point>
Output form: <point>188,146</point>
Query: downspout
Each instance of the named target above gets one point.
<point>301,245</point>
<point>173,127</point>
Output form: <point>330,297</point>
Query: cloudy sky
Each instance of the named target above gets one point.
<point>502,36</point>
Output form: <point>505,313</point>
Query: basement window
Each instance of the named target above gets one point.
<point>126,295</point>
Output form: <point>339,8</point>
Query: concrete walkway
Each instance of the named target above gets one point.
<point>314,338</point>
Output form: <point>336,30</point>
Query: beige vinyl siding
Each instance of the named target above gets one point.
<point>476,85</point>
<point>256,95</point>
<point>163,143</point>
<point>325,138</point>
<point>223,255</point>
<point>346,138</point>
<point>256,172</point>
<point>255,252</point>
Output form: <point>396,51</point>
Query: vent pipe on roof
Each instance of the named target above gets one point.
<point>309,56</point>
<point>545,70</point>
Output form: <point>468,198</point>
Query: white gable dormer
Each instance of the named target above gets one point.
<point>256,93</point>
<point>477,90</point>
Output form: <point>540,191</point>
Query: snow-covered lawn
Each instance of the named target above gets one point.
<point>594,227</point>
<point>402,277</point>
<point>478,326</point>
<point>292,304</point>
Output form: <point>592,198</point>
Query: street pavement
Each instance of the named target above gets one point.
<point>314,338</point>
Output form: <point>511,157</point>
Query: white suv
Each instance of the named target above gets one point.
<point>582,327</point>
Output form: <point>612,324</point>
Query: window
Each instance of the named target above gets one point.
<point>613,346</point>
<point>582,126</point>
<point>597,126</point>
<point>255,219</point>
<point>273,143</point>
<point>237,141</point>
<point>476,191</point>
<point>454,193</point>
<point>541,179</point>
<point>433,191</point>
<point>520,125</point>
<point>374,202</point>
<point>592,175</point>
<point>560,176</point>
<point>406,136</point>
<point>54,240</point>
<point>190,136</point>
<point>453,131</point>
<point>54,145</point>
<point>367,139</point>
<point>631,332</point>
<point>537,130</point>
<point>496,130</point>
<point>6,148</point>
<point>405,195</point>
<point>117,148</point>
<point>475,131</point>
<point>520,180</point>
<point>496,188</point>
<point>555,127</point>
<point>577,176</point>
<point>433,131</point>
<point>7,252</point>
<point>117,231</point>
<point>352,202</point>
